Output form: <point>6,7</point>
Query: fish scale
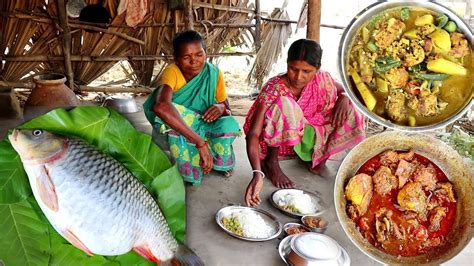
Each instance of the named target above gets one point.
<point>93,201</point>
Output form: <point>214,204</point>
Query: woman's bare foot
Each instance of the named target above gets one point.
<point>275,174</point>
<point>320,169</point>
<point>227,173</point>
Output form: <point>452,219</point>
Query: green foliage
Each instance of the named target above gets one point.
<point>25,235</point>
<point>460,141</point>
<point>30,240</point>
<point>14,186</point>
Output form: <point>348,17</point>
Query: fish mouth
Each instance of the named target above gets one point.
<point>14,135</point>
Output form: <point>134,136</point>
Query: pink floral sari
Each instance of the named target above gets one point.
<point>318,103</point>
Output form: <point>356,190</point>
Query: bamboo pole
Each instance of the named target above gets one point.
<point>105,58</point>
<point>120,34</point>
<point>197,5</point>
<point>116,89</point>
<point>188,15</point>
<point>66,42</point>
<point>83,88</point>
<point>176,20</point>
<point>102,26</point>
<point>258,42</point>
<point>276,20</point>
<point>314,20</point>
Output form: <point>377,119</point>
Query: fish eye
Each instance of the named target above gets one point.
<point>37,132</point>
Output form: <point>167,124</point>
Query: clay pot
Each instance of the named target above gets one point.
<point>50,92</point>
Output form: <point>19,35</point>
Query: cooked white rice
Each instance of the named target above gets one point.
<point>299,200</point>
<point>253,224</point>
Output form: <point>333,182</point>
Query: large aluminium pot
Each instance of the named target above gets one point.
<point>345,46</point>
<point>459,173</point>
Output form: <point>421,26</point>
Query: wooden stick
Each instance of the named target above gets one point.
<point>276,20</point>
<point>120,34</point>
<point>337,27</point>
<point>258,42</point>
<point>78,24</point>
<point>116,89</point>
<point>25,85</point>
<point>83,88</point>
<point>188,15</point>
<point>223,7</point>
<point>105,58</point>
<point>314,20</point>
<point>66,42</point>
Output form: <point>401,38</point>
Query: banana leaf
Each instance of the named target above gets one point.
<point>115,136</point>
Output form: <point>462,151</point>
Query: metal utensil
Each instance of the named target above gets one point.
<point>123,104</point>
<point>345,47</point>
<point>266,216</point>
<point>278,194</point>
<point>446,158</point>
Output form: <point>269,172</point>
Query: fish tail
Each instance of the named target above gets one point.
<point>184,257</point>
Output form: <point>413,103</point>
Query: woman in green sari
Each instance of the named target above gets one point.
<point>191,109</point>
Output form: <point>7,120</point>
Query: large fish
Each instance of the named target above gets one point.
<point>93,201</point>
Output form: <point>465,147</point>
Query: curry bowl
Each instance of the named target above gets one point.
<point>295,228</point>
<point>440,154</point>
<point>398,59</point>
<point>315,223</point>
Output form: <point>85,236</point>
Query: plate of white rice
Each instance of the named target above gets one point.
<point>297,202</point>
<point>248,223</point>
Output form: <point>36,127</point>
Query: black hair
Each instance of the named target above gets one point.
<point>185,37</point>
<point>306,50</point>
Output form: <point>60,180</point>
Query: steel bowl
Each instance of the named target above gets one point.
<point>318,229</point>
<point>285,250</point>
<point>122,103</point>
<point>458,173</point>
<point>291,225</point>
<point>266,216</point>
<point>344,50</point>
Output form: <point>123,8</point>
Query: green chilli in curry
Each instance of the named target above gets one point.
<point>412,66</point>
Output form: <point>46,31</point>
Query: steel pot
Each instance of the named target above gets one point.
<point>459,173</point>
<point>346,42</point>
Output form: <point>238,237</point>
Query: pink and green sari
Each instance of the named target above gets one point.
<point>304,126</point>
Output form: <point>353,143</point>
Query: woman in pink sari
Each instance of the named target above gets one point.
<point>302,112</point>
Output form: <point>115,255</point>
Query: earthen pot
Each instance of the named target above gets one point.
<point>50,92</point>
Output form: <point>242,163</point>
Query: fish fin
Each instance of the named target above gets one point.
<point>184,257</point>
<point>145,252</point>
<point>75,241</point>
<point>47,190</point>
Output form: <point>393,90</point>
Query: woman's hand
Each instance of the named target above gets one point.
<point>214,112</point>
<point>340,113</point>
<point>206,157</point>
<point>252,195</point>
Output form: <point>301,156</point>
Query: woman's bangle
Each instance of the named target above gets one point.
<point>200,146</point>
<point>260,172</point>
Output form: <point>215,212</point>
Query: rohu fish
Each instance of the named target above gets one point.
<point>93,201</point>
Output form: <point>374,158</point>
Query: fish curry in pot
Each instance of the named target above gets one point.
<point>412,66</point>
<point>402,203</point>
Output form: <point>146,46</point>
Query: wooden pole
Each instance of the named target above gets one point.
<point>258,39</point>
<point>109,31</point>
<point>314,20</point>
<point>188,15</point>
<point>84,88</point>
<point>66,42</point>
<point>223,7</point>
<point>105,58</point>
<point>176,21</point>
